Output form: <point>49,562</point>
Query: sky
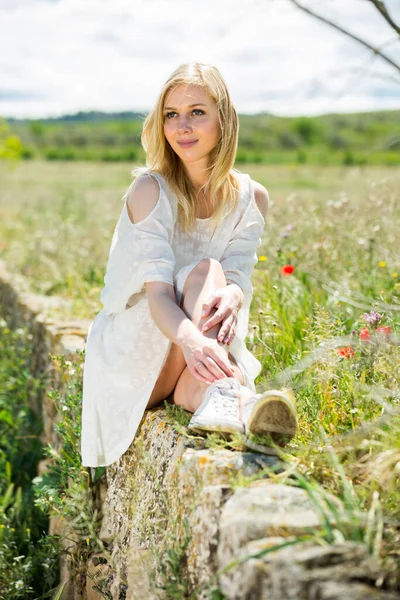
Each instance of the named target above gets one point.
<point>63,56</point>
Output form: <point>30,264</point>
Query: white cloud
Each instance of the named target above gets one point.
<point>59,56</point>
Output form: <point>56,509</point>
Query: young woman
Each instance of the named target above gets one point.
<point>177,286</point>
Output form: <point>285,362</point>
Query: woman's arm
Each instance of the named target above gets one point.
<point>169,318</point>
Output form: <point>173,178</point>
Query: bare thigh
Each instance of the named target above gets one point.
<point>173,367</point>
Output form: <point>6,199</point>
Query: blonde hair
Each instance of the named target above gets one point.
<point>222,184</point>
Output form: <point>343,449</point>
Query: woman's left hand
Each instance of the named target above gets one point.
<point>227,301</point>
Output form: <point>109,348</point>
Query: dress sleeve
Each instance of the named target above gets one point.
<point>140,252</point>
<point>240,256</point>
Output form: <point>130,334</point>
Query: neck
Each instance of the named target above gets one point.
<point>197,173</point>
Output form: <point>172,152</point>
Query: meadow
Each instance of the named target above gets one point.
<point>325,317</point>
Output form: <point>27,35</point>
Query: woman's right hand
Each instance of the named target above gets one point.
<point>207,359</point>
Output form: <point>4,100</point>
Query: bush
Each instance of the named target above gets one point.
<point>301,157</point>
<point>289,140</point>
<point>309,130</point>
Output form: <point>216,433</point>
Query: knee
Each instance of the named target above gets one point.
<point>207,267</point>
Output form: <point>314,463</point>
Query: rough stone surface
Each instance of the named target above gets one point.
<point>270,511</point>
<point>98,574</point>
<point>156,489</point>
<point>334,590</point>
<point>204,527</point>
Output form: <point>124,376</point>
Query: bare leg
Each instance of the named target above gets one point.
<point>207,276</point>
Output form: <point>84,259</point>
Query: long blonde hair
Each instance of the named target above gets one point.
<point>222,184</point>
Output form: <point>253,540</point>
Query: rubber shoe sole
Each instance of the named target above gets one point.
<point>275,414</point>
<point>203,426</point>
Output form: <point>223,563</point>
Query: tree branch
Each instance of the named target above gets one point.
<point>379,5</point>
<point>345,32</point>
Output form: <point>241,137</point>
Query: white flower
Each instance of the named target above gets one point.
<point>19,584</point>
<point>18,558</point>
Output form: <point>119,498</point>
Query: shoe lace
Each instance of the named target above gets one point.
<point>224,400</point>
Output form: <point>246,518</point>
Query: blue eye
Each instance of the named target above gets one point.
<point>167,115</point>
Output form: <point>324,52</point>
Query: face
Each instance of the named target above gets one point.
<point>190,115</point>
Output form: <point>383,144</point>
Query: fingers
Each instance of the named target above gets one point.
<point>223,364</point>
<point>229,338</point>
<point>227,330</point>
<point>214,320</point>
<point>209,368</point>
<point>207,306</point>
<point>197,373</point>
<point>214,369</point>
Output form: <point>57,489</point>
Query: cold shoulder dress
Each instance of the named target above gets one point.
<point>125,350</point>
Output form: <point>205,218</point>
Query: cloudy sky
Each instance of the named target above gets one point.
<point>62,56</point>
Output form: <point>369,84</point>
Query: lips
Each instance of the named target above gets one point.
<point>188,143</point>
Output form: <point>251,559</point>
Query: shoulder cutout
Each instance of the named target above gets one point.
<point>261,197</point>
<point>142,197</point>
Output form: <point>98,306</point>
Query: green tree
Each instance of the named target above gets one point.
<point>10,145</point>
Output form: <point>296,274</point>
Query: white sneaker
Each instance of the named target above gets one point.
<point>272,413</point>
<point>219,410</point>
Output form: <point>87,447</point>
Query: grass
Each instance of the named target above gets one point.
<point>28,556</point>
<point>338,228</point>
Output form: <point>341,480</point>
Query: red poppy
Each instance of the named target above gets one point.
<point>385,329</point>
<point>347,352</point>
<point>287,270</point>
<point>365,335</point>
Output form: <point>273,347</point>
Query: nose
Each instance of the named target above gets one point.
<point>183,124</point>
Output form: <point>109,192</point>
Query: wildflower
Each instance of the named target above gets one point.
<point>285,233</point>
<point>19,584</point>
<point>385,330</point>
<point>262,258</point>
<point>365,335</point>
<point>372,318</point>
<point>382,264</point>
<point>287,270</point>
<point>347,351</point>
<point>395,275</point>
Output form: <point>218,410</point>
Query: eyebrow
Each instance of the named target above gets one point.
<point>190,106</point>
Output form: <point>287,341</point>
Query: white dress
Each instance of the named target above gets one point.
<point>125,350</point>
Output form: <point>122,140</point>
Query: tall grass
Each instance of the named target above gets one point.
<point>28,556</point>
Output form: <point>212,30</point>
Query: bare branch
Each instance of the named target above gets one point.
<point>345,32</point>
<point>379,5</point>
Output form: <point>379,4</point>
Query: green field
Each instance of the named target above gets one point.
<point>339,228</point>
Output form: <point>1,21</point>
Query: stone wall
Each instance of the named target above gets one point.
<point>183,521</point>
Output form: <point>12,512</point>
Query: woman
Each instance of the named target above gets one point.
<point>177,287</point>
